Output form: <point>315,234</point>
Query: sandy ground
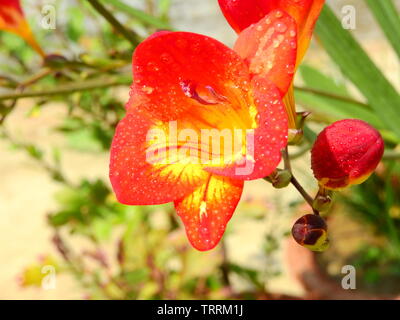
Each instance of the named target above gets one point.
<point>26,192</point>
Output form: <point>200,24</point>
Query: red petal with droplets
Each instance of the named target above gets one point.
<point>269,47</point>
<point>264,144</point>
<point>138,174</point>
<point>243,13</point>
<point>206,212</point>
<point>346,153</point>
<point>176,72</point>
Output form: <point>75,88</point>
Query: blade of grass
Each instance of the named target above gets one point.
<point>323,95</point>
<point>388,18</point>
<point>355,64</point>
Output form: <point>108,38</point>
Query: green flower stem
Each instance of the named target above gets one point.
<point>69,88</point>
<point>128,34</point>
<point>304,193</point>
<point>293,180</point>
<point>35,78</point>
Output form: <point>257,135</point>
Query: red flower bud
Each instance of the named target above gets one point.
<point>346,153</point>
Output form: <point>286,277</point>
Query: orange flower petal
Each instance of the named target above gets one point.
<point>140,179</point>
<point>12,20</point>
<point>220,99</point>
<point>206,212</point>
<point>269,47</point>
<point>306,13</point>
<point>243,13</point>
<point>263,148</point>
<point>178,72</point>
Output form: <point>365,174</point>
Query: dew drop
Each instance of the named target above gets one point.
<point>166,58</point>
<point>281,27</point>
<point>147,90</point>
<point>151,66</point>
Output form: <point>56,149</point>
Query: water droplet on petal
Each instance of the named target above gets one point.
<point>147,90</point>
<point>281,27</point>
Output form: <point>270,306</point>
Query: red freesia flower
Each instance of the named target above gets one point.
<point>243,13</point>
<point>12,20</point>
<point>346,153</point>
<point>186,85</point>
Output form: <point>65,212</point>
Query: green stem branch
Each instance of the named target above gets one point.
<point>303,192</point>
<point>69,88</point>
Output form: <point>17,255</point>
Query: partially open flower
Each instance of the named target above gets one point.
<point>243,14</point>
<point>311,231</point>
<point>346,153</point>
<point>12,20</point>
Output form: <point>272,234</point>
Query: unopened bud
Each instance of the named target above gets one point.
<point>281,178</point>
<point>346,153</point>
<point>311,231</point>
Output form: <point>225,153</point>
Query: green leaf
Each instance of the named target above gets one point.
<point>139,14</point>
<point>309,134</point>
<point>359,68</point>
<point>329,105</point>
<point>318,80</point>
<point>387,16</point>
<point>137,276</point>
<point>75,27</point>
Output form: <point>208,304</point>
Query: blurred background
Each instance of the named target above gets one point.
<point>64,236</point>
